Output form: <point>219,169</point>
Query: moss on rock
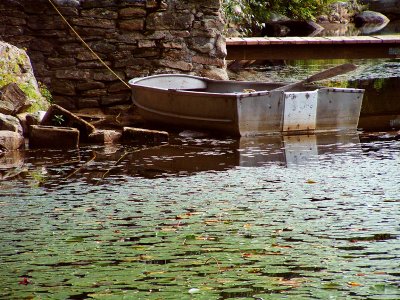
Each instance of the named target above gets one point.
<point>15,66</point>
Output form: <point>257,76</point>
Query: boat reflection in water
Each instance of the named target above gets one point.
<point>201,155</point>
<point>184,156</point>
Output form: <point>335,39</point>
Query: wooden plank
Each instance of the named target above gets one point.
<point>389,39</point>
<point>275,41</point>
<point>364,40</point>
<point>252,41</point>
<point>314,47</point>
<point>295,40</point>
<point>235,41</point>
<point>343,39</point>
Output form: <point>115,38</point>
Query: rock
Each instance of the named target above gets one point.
<point>53,137</point>
<point>16,68</point>
<point>215,73</point>
<point>131,134</point>
<point>370,17</point>
<point>387,7</point>
<point>10,140</point>
<point>58,116</point>
<point>105,136</point>
<point>291,28</point>
<point>6,108</point>
<point>10,123</point>
<point>15,98</point>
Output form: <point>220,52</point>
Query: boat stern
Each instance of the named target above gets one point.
<point>339,108</point>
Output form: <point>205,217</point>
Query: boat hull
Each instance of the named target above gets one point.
<point>243,108</point>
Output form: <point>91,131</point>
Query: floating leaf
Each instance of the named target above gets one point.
<point>352,283</point>
<point>281,246</point>
<point>24,281</point>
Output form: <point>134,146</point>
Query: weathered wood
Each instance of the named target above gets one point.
<point>386,46</point>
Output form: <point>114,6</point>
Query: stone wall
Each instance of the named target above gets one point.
<point>134,37</point>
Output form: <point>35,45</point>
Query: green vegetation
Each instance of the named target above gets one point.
<point>13,66</point>
<point>250,15</point>
<point>58,120</point>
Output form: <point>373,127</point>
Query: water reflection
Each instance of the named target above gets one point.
<point>185,156</point>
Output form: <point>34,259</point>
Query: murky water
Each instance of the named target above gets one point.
<point>293,217</point>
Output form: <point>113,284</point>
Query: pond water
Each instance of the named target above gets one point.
<point>284,217</point>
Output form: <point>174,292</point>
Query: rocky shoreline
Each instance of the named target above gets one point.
<point>29,120</point>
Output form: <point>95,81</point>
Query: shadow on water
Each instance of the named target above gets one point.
<point>184,156</point>
<point>381,106</point>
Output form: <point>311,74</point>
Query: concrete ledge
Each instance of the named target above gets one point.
<point>53,137</point>
<point>131,134</point>
<point>104,137</point>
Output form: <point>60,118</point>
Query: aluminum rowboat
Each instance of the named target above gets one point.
<point>244,108</point>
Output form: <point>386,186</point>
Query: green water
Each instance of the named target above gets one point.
<point>303,217</point>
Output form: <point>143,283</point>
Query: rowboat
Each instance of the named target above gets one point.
<point>244,108</point>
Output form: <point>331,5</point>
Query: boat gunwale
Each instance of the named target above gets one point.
<point>133,85</point>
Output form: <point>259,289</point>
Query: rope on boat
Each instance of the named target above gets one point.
<point>86,45</point>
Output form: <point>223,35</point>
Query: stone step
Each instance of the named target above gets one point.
<point>131,134</point>
<point>53,137</point>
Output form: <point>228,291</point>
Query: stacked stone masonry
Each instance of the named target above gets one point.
<point>134,38</point>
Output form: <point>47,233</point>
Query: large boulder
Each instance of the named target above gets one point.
<point>387,7</point>
<point>10,123</point>
<point>291,28</point>
<point>370,17</point>
<point>10,140</point>
<point>15,67</point>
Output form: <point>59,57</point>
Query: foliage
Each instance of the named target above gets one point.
<point>45,92</point>
<point>58,119</point>
<point>251,15</point>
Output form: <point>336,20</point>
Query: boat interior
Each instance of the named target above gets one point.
<point>198,84</point>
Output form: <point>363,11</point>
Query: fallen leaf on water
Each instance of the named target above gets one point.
<point>310,181</point>
<point>205,238</point>
<point>169,229</point>
<point>24,281</point>
<point>380,273</point>
<point>153,273</point>
<point>180,217</point>
<point>211,221</point>
<point>281,246</point>
<point>247,255</point>
<point>295,283</point>
<point>145,257</point>
<point>247,226</point>
<point>352,283</point>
